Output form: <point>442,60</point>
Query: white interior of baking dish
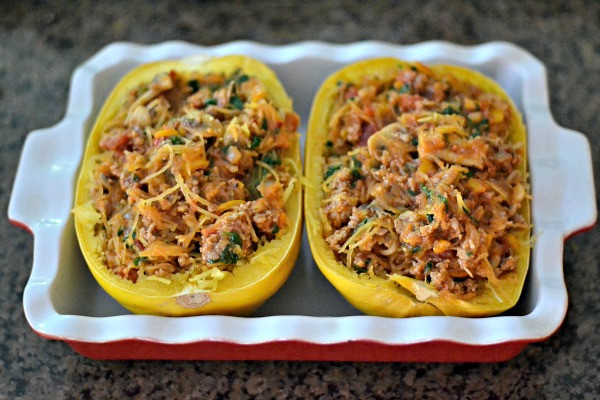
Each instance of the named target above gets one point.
<point>63,300</point>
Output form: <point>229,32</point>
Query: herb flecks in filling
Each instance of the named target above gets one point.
<point>421,180</point>
<point>192,174</point>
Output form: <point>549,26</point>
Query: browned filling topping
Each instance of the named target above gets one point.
<point>421,180</point>
<point>192,174</point>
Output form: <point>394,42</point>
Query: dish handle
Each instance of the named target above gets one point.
<point>579,211</point>
<point>45,173</point>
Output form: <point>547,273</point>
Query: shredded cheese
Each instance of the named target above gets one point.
<point>191,196</point>
<point>209,279</point>
<point>357,232</point>
<point>461,203</point>
<point>158,279</point>
<point>164,168</point>
<point>288,190</point>
<point>252,231</point>
<point>270,169</point>
<point>161,196</point>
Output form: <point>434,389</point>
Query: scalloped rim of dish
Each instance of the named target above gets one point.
<point>562,186</point>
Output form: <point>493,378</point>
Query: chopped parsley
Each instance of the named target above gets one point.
<point>138,260</point>
<point>195,85</point>
<point>480,127</point>
<point>255,177</point>
<point>241,79</point>
<point>210,102</point>
<point>329,143</point>
<point>255,142</point>
<point>271,158</point>
<point>135,178</point>
<point>177,140</point>
<point>470,173</point>
<point>430,217</point>
<point>227,257</point>
<point>234,237</point>
<point>265,124</point>
<point>415,249</point>
<point>120,231</point>
<point>411,192</point>
<point>426,190</point>
<point>428,268</point>
<point>404,89</point>
<point>359,270</point>
<point>475,220</point>
<point>428,193</point>
<point>126,240</point>
<point>443,199</point>
<point>415,142</point>
<point>275,230</point>
<point>450,110</point>
<point>355,167</point>
<point>364,221</point>
<point>332,169</point>
<point>236,103</point>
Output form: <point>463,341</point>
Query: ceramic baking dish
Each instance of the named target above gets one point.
<point>307,319</point>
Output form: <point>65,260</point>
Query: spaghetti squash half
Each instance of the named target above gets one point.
<point>188,200</point>
<point>417,196</point>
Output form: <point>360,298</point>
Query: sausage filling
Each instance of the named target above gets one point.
<point>422,180</point>
<point>192,174</point>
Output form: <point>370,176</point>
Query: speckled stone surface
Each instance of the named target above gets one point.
<point>41,44</point>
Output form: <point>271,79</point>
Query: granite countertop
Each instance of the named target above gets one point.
<point>42,43</point>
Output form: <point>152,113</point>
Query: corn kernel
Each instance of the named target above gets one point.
<point>165,133</point>
<point>496,116</point>
<point>441,246</point>
<point>476,185</point>
<point>470,105</point>
<point>426,166</point>
<point>513,242</point>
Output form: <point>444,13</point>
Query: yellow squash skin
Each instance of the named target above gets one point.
<point>254,280</point>
<point>400,296</point>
